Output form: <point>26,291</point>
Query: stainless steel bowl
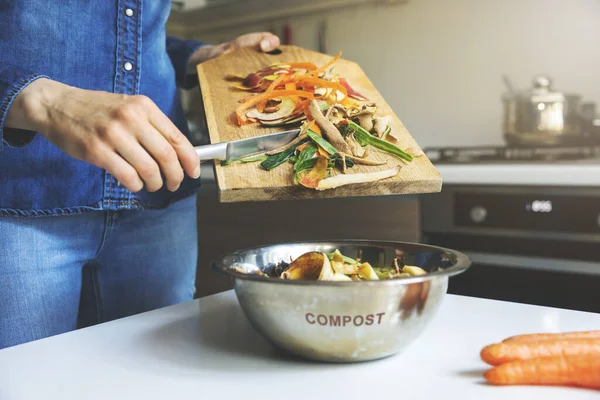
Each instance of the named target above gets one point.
<point>341,321</point>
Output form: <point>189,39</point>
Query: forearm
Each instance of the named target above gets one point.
<point>182,54</point>
<point>199,56</point>
<point>16,124</point>
<point>127,135</point>
<point>28,111</point>
<point>187,54</point>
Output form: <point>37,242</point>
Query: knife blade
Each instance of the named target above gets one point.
<point>233,150</point>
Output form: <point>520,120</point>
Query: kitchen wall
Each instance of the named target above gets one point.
<point>439,63</point>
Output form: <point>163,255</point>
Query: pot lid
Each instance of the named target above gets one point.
<point>541,91</point>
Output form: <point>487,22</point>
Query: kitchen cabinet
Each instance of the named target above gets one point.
<point>195,16</point>
<point>224,227</point>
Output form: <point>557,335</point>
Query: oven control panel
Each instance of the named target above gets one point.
<point>549,213</point>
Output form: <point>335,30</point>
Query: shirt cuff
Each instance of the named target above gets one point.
<point>12,82</point>
<point>180,51</point>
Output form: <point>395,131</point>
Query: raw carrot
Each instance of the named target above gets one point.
<point>500,353</point>
<point>582,371</point>
<point>546,336</point>
<point>241,117</point>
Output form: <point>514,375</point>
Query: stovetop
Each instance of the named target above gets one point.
<point>511,155</point>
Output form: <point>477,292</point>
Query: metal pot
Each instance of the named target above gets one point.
<point>342,321</point>
<point>541,115</point>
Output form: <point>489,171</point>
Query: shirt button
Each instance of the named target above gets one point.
<point>129,12</point>
<point>128,66</point>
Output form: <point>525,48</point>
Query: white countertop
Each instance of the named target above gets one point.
<point>521,174</point>
<point>500,174</point>
<point>205,349</point>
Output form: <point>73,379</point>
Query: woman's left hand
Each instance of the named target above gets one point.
<point>263,41</point>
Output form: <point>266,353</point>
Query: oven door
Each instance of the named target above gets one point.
<point>519,254</point>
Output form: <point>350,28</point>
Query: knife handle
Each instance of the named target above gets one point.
<point>216,151</point>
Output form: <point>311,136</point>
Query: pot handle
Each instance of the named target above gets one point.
<point>508,84</point>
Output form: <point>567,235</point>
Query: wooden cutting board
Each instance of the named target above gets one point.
<point>249,182</point>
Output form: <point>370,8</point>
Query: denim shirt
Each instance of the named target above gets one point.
<point>84,44</point>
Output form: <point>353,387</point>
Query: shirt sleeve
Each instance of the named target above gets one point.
<point>12,81</point>
<point>180,51</point>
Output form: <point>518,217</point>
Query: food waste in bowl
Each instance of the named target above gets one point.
<point>341,301</point>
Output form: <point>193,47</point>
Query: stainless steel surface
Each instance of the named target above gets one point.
<point>216,151</point>
<point>338,321</point>
<point>537,244</point>
<point>227,151</point>
<point>536,263</point>
<point>526,158</point>
<point>438,214</point>
<point>541,115</point>
<point>588,112</point>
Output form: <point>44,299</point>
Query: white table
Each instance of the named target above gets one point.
<point>204,349</point>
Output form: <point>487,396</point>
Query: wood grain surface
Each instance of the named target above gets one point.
<point>249,182</point>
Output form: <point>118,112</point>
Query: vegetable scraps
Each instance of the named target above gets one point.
<point>339,126</point>
<point>335,266</point>
<point>551,359</point>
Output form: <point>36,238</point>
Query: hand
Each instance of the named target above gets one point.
<point>263,41</point>
<point>128,136</point>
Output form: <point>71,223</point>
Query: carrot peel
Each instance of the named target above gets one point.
<point>303,65</point>
<point>316,174</point>
<point>261,106</point>
<point>316,82</point>
<point>317,71</point>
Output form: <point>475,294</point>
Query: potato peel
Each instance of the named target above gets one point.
<point>350,179</point>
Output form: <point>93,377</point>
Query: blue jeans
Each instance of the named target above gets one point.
<point>61,273</point>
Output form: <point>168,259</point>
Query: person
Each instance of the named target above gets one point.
<point>97,173</point>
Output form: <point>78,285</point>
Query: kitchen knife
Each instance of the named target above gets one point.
<point>229,151</point>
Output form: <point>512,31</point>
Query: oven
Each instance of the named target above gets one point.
<point>531,244</point>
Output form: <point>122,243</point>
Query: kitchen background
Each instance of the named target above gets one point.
<point>440,65</point>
